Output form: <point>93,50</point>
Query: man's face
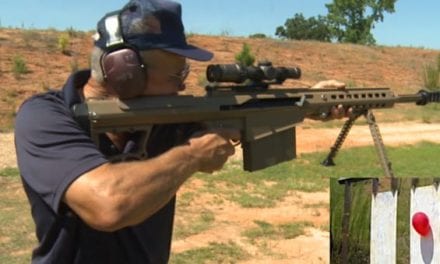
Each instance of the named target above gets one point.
<point>166,72</point>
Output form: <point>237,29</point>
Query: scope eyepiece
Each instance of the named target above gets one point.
<point>238,73</point>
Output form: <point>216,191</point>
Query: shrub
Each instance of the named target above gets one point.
<point>245,57</point>
<point>63,44</point>
<point>202,81</point>
<point>19,66</point>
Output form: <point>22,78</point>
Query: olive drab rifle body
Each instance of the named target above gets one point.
<point>265,116</point>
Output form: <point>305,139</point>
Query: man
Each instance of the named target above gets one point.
<point>86,207</point>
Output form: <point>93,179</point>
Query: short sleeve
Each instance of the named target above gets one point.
<point>52,149</point>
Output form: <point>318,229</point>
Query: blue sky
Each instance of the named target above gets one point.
<point>415,23</point>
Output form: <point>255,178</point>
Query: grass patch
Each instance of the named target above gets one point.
<point>190,227</point>
<point>252,189</point>
<point>248,200</point>
<point>266,230</point>
<point>17,237</point>
<point>214,253</point>
<point>316,205</point>
<point>292,230</point>
<point>260,235</point>
<point>10,172</point>
<point>185,199</point>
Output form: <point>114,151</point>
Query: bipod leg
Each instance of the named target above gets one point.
<point>380,147</point>
<point>340,140</point>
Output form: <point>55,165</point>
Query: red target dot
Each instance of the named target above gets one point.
<point>420,222</point>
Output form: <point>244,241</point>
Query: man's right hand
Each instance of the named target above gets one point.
<point>212,148</point>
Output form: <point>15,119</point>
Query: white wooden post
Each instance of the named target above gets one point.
<point>383,227</point>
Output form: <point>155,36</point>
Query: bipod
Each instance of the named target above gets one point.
<point>377,138</point>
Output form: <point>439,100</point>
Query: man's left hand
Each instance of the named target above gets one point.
<point>339,111</point>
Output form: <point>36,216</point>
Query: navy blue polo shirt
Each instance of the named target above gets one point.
<point>52,151</point>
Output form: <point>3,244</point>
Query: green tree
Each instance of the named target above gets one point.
<point>352,20</point>
<point>258,36</point>
<point>301,28</point>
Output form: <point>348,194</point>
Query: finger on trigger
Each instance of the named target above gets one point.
<point>341,111</point>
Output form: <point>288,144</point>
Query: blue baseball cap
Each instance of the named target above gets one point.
<point>148,24</point>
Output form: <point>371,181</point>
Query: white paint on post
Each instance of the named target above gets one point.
<point>383,228</point>
<point>425,249</point>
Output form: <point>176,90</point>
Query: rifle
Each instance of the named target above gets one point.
<point>265,116</point>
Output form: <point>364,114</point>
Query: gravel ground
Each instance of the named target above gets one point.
<point>7,153</point>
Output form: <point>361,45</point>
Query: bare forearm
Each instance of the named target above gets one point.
<point>146,186</point>
<point>129,192</point>
<point>114,196</point>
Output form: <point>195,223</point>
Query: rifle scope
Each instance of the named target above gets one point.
<point>262,72</point>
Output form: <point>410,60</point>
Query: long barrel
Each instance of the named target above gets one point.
<point>421,98</point>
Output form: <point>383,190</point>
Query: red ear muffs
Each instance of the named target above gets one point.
<point>124,72</point>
